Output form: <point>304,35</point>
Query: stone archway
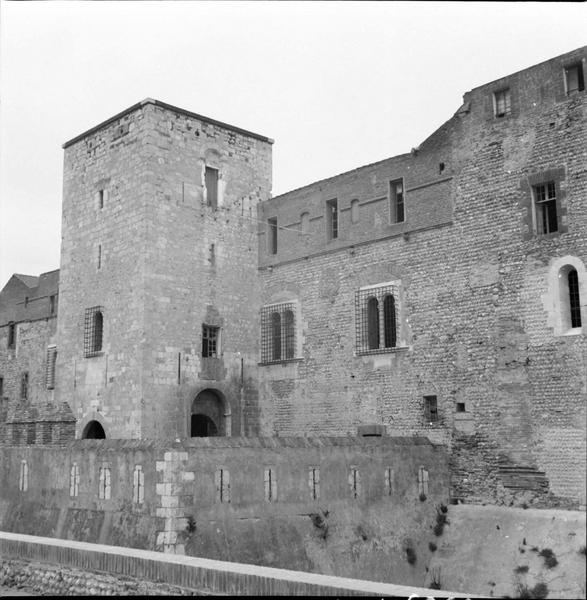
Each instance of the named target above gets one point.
<point>210,415</point>
<point>93,431</point>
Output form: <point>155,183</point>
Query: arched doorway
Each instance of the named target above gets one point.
<point>209,415</point>
<point>93,431</point>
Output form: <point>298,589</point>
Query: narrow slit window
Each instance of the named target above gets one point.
<point>104,483</point>
<point>396,192</point>
<point>74,480</point>
<point>574,298</point>
<point>289,334</point>
<point>222,486</point>
<point>12,335</point>
<point>23,484</point>
<point>52,304</point>
<point>50,367</point>
<point>272,231</point>
<point>422,481</point>
<point>388,481</point>
<point>138,485</point>
<point>305,223</point>
<point>354,211</point>
<point>355,482</point>
<point>314,482</point>
<point>545,207</point>
<point>211,181</point>
<point>270,485</point>
<point>332,219</point>
<point>24,385</point>
<point>99,256</point>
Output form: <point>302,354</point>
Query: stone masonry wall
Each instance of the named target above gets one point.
<point>479,325</point>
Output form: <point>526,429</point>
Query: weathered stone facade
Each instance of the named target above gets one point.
<point>428,294</point>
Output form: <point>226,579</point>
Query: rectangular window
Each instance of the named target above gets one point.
<point>74,481</point>
<point>377,318</point>
<point>52,304</point>
<point>93,331</point>
<point>138,493</point>
<point>278,332</point>
<point>422,481</point>
<point>210,341</point>
<point>50,367</point>
<point>23,484</point>
<point>574,78</point>
<point>222,485</point>
<point>211,181</point>
<point>545,208</point>
<point>396,196</point>
<point>355,482</point>
<point>24,385</point>
<point>314,482</point>
<point>99,256</point>
<point>272,233</point>
<point>388,481</point>
<point>100,199</point>
<point>502,103</point>
<point>104,483</point>
<point>430,409</point>
<point>1,387</point>
<point>332,219</point>
<point>12,335</point>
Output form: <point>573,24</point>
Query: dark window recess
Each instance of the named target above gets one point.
<point>545,203</point>
<point>52,304</point>
<point>12,335</point>
<point>430,409</point>
<point>574,299</point>
<point>93,331</point>
<point>211,181</point>
<point>396,192</point>
<point>332,219</point>
<point>503,105</point>
<point>278,332</point>
<point>460,407</point>
<point>272,227</point>
<point>389,321</point>
<point>373,323</point>
<point>100,198</point>
<point>209,341</point>
<point>24,385</point>
<point>1,387</point>
<point>50,367</point>
<point>99,256</point>
<point>574,78</point>
<point>440,167</point>
<point>26,301</point>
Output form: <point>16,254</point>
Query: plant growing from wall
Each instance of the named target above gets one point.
<point>583,550</point>
<point>191,524</point>
<point>319,520</point>
<point>422,497</point>
<point>550,560</point>
<point>432,546</point>
<point>521,569</point>
<point>538,592</point>
<point>411,555</point>
<point>435,583</point>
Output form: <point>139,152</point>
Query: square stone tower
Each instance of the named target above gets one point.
<point>159,295</point>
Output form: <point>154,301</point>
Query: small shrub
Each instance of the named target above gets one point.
<point>524,591</point>
<point>411,555</point>
<point>549,557</point>
<point>583,550</point>
<point>438,529</point>
<point>319,521</point>
<point>435,583</point>
<point>524,505</point>
<point>521,569</point>
<point>191,524</point>
<point>432,546</point>
<point>422,497</point>
<point>535,549</point>
<point>440,518</point>
<point>443,507</point>
<point>540,591</point>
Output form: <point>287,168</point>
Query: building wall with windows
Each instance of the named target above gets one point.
<point>158,253</point>
<point>487,271</point>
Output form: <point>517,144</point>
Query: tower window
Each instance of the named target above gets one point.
<point>210,337</point>
<point>276,336</point>
<point>396,196</point>
<point>314,482</point>
<point>52,304</point>
<point>545,208</point>
<point>222,477</point>
<point>430,409</point>
<point>332,219</point>
<point>12,335</point>
<point>270,485</point>
<point>272,227</point>
<point>574,78</point>
<point>93,331</point>
<point>574,299</point>
<point>502,103</point>
<point>24,385</point>
<point>211,181</point>
<point>50,367</point>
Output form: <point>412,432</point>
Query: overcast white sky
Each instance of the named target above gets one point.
<point>336,84</point>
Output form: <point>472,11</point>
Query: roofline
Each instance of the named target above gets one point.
<point>170,107</point>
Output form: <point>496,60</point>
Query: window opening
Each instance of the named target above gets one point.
<point>52,304</point>
<point>389,321</point>
<point>289,334</point>
<point>355,482</point>
<point>272,226</point>
<point>574,299</point>
<point>396,189</point>
<point>24,385</point>
<point>23,484</point>
<point>332,218</point>
<point>93,431</point>
<point>314,482</point>
<point>202,426</point>
<point>276,336</point>
<point>222,485</point>
<point>430,409</point>
<point>93,331</point>
<point>422,481</point>
<point>278,332</point>
<point>26,301</point>
<point>545,202</point>
<point>104,483</point>
<point>305,222</point>
<point>388,481</point>
<point>12,335</point>
<point>502,103</point>
<point>101,198</point>
<point>210,341</point>
<point>460,407</point>
<point>211,182</point>
<point>574,78</point>
<point>138,495</point>
<point>373,323</point>
<point>74,480</point>
<point>99,256</point>
<point>50,367</point>
<point>270,484</point>
<point>1,387</point>
<point>354,211</point>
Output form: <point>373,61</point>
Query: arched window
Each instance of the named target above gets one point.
<point>93,331</point>
<point>276,335</point>
<point>98,329</point>
<point>373,323</point>
<point>93,431</point>
<point>289,333</point>
<point>574,298</point>
<point>389,323</point>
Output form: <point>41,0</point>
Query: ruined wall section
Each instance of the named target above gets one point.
<point>102,265</point>
<point>201,268</point>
